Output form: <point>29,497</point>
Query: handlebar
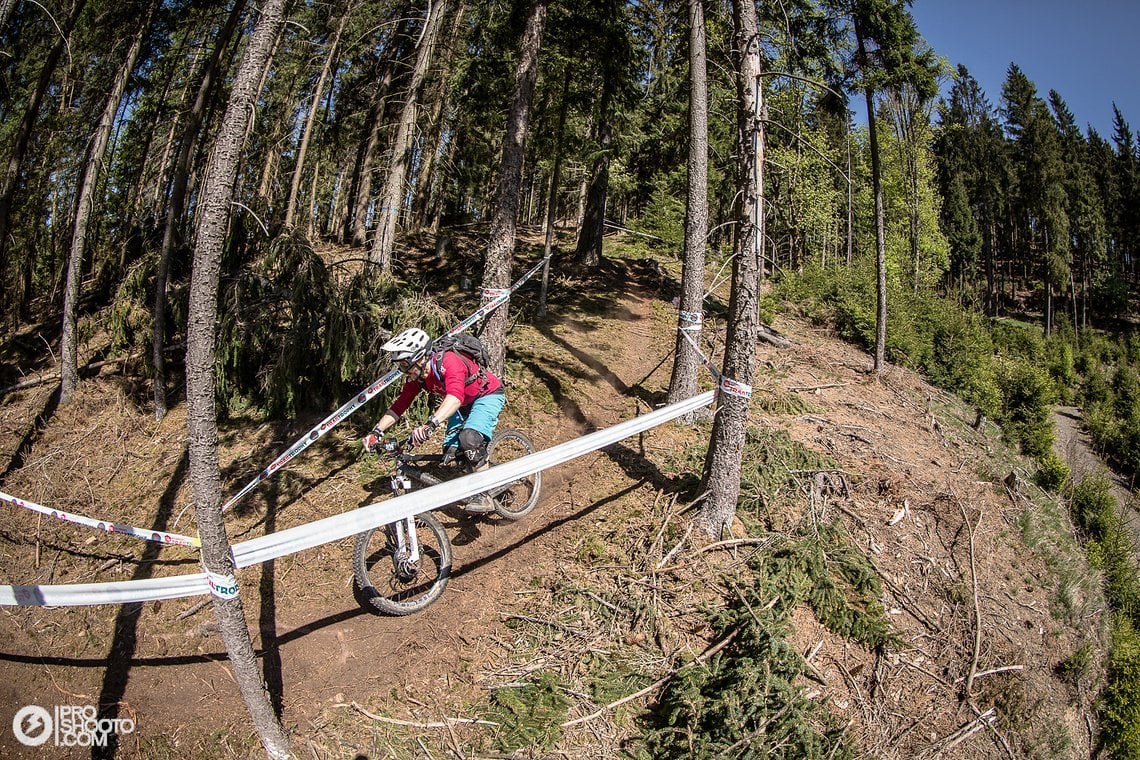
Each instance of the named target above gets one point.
<point>402,450</point>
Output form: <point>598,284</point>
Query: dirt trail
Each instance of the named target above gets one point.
<point>1075,448</point>
<point>319,648</point>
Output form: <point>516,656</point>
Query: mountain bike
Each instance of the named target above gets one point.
<point>403,567</point>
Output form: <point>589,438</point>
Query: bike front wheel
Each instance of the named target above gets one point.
<point>393,582</point>
<point>515,500</point>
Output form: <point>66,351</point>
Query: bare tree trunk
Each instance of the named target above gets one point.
<point>307,133</point>
<point>552,196</point>
<point>880,233</point>
<point>84,203</point>
<point>391,199</point>
<point>356,227</point>
<point>434,146</point>
<point>686,364</point>
<point>6,7</point>
<point>202,430</point>
<point>23,132</point>
<point>726,446</point>
<point>850,202</point>
<point>589,251</point>
<point>500,247</point>
<point>177,205</point>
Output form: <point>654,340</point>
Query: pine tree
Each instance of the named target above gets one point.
<point>683,382</point>
<point>500,249</point>
<point>201,421</point>
<point>726,443</point>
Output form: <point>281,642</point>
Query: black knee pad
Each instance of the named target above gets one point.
<point>473,444</point>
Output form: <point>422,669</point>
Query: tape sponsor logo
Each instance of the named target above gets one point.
<point>736,388</point>
<point>222,586</point>
<point>67,725</point>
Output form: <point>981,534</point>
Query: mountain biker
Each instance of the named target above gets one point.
<point>472,397</point>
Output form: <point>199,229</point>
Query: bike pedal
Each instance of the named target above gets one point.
<point>481,507</point>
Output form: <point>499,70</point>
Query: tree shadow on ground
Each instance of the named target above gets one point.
<point>125,642</point>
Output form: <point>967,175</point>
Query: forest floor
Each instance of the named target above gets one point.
<point>982,581</point>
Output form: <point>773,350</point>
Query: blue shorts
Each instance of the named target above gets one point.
<point>483,415</point>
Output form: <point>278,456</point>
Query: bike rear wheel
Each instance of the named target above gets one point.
<point>515,500</point>
<point>393,584</point>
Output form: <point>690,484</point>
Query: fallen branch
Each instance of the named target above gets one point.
<point>965,732</point>
<point>413,724</point>
<point>995,671</point>
<point>813,388</point>
<point>977,605</point>
<point>85,369</point>
<point>704,657</point>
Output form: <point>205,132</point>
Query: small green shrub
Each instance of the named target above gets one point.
<point>1053,473</point>
<point>1120,701</point>
<point>1078,666</point>
<point>1027,400</point>
<point>744,702</point>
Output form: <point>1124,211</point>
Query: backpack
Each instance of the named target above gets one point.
<point>469,348</point>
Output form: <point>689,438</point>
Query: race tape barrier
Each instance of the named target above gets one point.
<point>701,355</point>
<point>158,536</point>
<point>366,395</point>
<point>318,532</point>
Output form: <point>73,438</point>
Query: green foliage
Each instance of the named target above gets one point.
<point>289,336</point>
<point>1077,667</point>
<point>1110,549</point>
<point>1120,701</point>
<point>1026,406</point>
<point>1013,338</point>
<point>962,360</point>
<point>530,715</point>
<point>664,215</point>
<point>774,469</point>
<point>1112,414</point>
<point>1053,473</point>
<point>744,702</point>
<point>131,320</point>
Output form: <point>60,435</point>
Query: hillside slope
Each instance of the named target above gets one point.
<point>599,593</point>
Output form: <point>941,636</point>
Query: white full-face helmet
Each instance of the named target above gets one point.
<point>410,345</point>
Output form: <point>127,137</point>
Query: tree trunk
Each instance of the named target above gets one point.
<point>177,204</point>
<point>356,227</point>
<point>552,195</point>
<point>202,430</point>
<point>726,447</point>
<point>307,133</point>
<point>391,200</point>
<point>589,250</point>
<point>23,132</point>
<point>880,232</point>
<point>686,363</point>
<point>500,247</point>
<point>434,146</point>
<point>84,203</point>
<point>6,7</point>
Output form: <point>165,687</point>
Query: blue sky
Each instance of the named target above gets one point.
<point>1086,50</point>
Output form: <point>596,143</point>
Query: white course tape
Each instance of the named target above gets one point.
<point>158,536</point>
<point>222,585</point>
<point>701,355</point>
<point>332,528</point>
<point>274,545</point>
<point>122,592</point>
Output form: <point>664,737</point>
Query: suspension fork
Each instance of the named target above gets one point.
<point>407,539</point>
